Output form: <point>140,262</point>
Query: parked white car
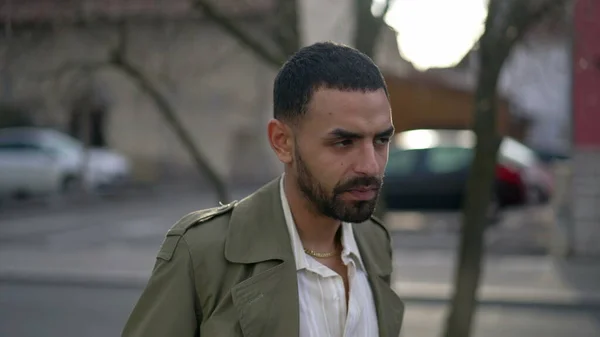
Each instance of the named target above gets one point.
<point>42,161</point>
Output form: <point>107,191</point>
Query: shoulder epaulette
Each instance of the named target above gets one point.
<point>198,217</point>
<point>174,234</point>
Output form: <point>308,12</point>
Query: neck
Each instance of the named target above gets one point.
<point>317,232</point>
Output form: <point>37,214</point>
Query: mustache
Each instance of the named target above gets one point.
<point>364,182</point>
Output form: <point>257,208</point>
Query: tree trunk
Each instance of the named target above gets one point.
<point>507,21</point>
<point>479,192</point>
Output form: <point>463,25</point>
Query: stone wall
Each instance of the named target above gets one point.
<point>586,122</point>
<point>218,89</point>
<point>221,91</point>
<point>585,198</point>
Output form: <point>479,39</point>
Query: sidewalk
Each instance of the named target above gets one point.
<point>103,267</point>
<point>523,280</point>
<point>418,276</point>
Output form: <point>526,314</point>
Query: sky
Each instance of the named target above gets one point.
<point>435,33</point>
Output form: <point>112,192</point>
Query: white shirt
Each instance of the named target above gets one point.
<point>323,311</point>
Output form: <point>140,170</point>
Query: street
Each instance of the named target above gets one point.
<point>131,221</point>
<point>78,272</point>
<point>43,310</point>
<point>34,310</point>
<point>143,221</point>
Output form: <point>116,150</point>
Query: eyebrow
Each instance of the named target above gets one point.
<point>341,133</point>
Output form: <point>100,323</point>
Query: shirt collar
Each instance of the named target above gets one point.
<point>348,241</point>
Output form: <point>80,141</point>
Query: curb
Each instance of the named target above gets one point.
<point>127,280</point>
<point>495,295</point>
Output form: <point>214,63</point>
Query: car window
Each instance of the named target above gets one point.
<point>402,162</point>
<point>516,153</point>
<point>16,138</point>
<point>61,142</point>
<point>448,160</point>
<point>18,146</point>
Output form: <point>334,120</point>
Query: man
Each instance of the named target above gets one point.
<point>302,256</point>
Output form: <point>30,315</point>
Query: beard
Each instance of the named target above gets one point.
<point>331,204</point>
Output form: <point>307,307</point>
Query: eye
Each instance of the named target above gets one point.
<point>382,141</point>
<point>343,143</point>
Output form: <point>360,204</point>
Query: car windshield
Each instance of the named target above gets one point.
<point>46,139</point>
<point>402,162</point>
<point>447,159</point>
<point>61,142</point>
<point>516,153</point>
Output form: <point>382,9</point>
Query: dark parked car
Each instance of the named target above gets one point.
<point>428,170</point>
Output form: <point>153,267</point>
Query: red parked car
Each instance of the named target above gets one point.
<point>428,170</point>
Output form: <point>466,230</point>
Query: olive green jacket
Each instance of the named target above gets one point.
<point>230,271</point>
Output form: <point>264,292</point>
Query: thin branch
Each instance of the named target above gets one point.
<point>516,17</point>
<point>122,39</point>
<point>286,27</point>
<point>219,61</point>
<point>70,67</point>
<point>533,16</point>
<point>368,26</point>
<point>274,58</point>
<point>386,9</point>
<point>119,61</point>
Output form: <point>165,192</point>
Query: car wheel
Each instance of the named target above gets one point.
<point>69,185</point>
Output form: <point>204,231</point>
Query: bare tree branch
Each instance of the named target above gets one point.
<point>219,60</point>
<point>386,8</point>
<point>286,30</point>
<point>117,58</point>
<point>89,68</point>
<point>275,58</point>
<point>368,26</point>
<point>68,68</point>
<point>122,39</point>
<point>119,61</point>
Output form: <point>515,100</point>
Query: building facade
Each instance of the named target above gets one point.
<point>586,128</point>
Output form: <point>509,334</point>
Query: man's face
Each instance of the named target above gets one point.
<point>341,150</point>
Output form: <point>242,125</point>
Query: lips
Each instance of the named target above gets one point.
<point>363,193</point>
<point>363,189</point>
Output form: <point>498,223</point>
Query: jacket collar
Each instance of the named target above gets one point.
<point>258,233</point>
<point>257,230</point>
<point>266,302</point>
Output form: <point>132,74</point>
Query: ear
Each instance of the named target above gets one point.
<point>281,140</point>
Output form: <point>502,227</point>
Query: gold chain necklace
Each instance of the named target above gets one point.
<point>320,255</point>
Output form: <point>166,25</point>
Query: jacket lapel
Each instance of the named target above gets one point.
<point>390,309</point>
<point>267,302</point>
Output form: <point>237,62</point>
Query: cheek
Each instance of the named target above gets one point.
<point>383,160</point>
<point>332,169</point>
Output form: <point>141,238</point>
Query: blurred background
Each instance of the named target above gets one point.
<point>118,117</point>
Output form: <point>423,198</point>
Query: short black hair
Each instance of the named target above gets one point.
<point>322,65</point>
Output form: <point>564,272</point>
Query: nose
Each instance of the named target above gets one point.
<point>367,162</point>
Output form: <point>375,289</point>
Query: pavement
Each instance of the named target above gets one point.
<point>533,280</point>
<point>71,263</point>
<point>114,242</point>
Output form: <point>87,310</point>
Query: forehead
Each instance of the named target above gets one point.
<point>351,110</point>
